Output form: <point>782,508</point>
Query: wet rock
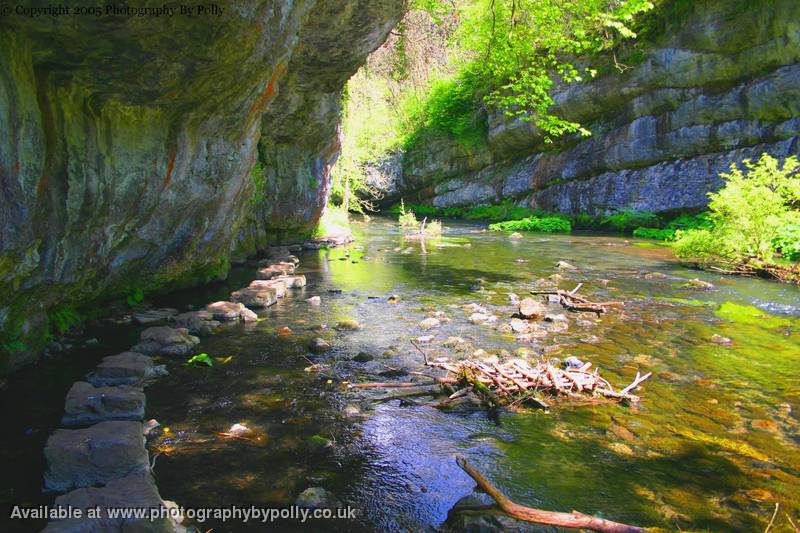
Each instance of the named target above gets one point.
<point>125,368</point>
<point>555,318</point>
<point>655,275</point>
<point>255,298</point>
<point>197,322</point>
<point>284,331</point>
<point>278,269</point>
<point>476,308</point>
<point>134,491</point>
<point>86,404</point>
<point>152,316</point>
<point>555,278</point>
<point>722,341</point>
<point>348,324</point>
<point>573,362</point>
<point>95,455</point>
<point>519,326</point>
<point>393,299</point>
<point>425,339</point>
<point>698,284</point>
<point>277,284</point>
<point>92,342</point>
<point>317,498</point>
<point>240,430</point>
<point>363,357</point>
<point>531,309</point>
<point>515,235</point>
<point>429,323</point>
<point>319,346</point>
<point>227,311</point>
<point>314,300</point>
<point>293,282</point>
<point>481,318</point>
<point>318,443</point>
<point>513,298</point>
<point>563,265</point>
<point>150,427</point>
<point>164,340</point>
<point>351,411</point>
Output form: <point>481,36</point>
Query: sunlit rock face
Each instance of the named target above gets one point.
<point>129,144</point>
<point>718,86</point>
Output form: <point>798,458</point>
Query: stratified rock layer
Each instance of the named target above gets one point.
<point>719,85</point>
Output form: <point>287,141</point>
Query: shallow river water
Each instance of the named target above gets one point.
<point>712,446</point>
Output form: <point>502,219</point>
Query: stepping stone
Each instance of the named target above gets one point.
<point>125,368</point>
<point>228,311</point>
<point>256,298</point>
<point>294,282</point>
<point>95,455</point>
<point>136,491</point>
<point>86,404</point>
<point>197,322</point>
<point>277,284</point>
<point>283,268</point>
<point>164,340</point>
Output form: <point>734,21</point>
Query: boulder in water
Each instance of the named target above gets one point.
<point>531,309</point>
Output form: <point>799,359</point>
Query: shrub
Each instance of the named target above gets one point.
<point>683,222</point>
<point>434,227</point>
<point>626,221</point>
<point>787,241</point>
<point>546,224</point>
<point>658,234</point>
<point>407,219</point>
<point>751,215</point>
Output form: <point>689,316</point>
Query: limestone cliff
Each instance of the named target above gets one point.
<point>129,144</point>
<point>720,84</point>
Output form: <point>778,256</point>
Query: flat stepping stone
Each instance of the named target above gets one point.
<point>125,368</point>
<point>256,298</point>
<point>277,284</point>
<point>197,322</point>
<point>293,282</point>
<point>136,491</point>
<point>277,269</point>
<point>95,455</point>
<point>228,311</point>
<point>87,404</point>
<point>164,340</point>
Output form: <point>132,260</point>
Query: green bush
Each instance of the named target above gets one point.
<point>65,318</point>
<point>683,222</point>
<point>544,224</point>
<point>787,241</point>
<point>585,221</point>
<point>752,215</point>
<point>658,234</point>
<point>626,221</point>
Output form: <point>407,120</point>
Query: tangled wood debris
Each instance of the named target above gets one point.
<point>571,301</point>
<point>573,520</point>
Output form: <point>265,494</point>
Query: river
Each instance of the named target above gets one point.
<point>712,445</point>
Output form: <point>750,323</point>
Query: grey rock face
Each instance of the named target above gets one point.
<point>126,368</point>
<point>719,86</point>
<point>95,455</point>
<point>86,404</point>
<point>133,491</point>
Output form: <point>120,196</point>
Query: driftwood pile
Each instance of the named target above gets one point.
<point>571,301</point>
<point>516,382</point>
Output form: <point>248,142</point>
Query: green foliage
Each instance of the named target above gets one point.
<point>135,297</point>
<point>200,359</point>
<point>626,221</point>
<point>259,183</point>
<point>752,215</point>
<point>499,212</point>
<point>787,241</point>
<point>64,319</point>
<point>407,219</point>
<point>434,227</point>
<point>585,221</point>
<point>334,221</point>
<point>683,222</point>
<point>450,107</point>
<point>552,224</point>
<point>658,234</point>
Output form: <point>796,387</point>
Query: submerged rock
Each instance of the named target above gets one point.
<point>520,326</point>
<point>722,341</point>
<point>698,284</point>
<point>86,404</point>
<point>317,498</point>
<point>151,316</point>
<point>363,357</point>
<point>95,455</point>
<point>197,322</point>
<point>429,323</point>
<point>319,346</point>
<point>314,300</point>
<point>348,324</point>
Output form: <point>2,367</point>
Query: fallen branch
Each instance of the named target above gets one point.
<point>573,520</point>
<point>572,302</point>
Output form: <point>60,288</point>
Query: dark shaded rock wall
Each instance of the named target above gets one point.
<point>722,84</point>
<point>128,144</point>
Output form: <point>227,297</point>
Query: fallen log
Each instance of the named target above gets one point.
<point>572,302</point>
<point>573,520</point>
